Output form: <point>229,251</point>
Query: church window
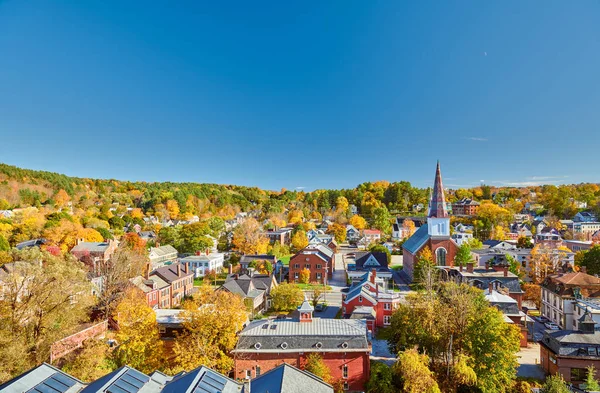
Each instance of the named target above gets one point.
<point>440,254</point>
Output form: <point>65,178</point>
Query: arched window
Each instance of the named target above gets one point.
<point>440,256</point>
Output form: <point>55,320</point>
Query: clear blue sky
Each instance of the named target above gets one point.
<point>321,94</point>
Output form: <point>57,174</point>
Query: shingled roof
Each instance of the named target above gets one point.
<point>564,284</point>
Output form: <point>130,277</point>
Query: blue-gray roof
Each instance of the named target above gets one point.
<point>44,378</point>
<point>201,380</point>
<point>417,240</point>
<point>289,379</point>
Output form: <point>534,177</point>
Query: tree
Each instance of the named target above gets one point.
<point>474,244</point>
<point>591,384</point>
<point>513,265</point>
<point>533,292</point>
<point>317,294</point>
<point>425,273</point>
<point>555,384</point>
<point>382,219</point>
<point>304,276</point>
<point>4,246</point>
<point>524,242</point>
<point>316,365</point>
<point>286,297</point>
<point>358,222</point>
<point>463,255</point>
<point>341,205</point>
<point>381,379</point>
<point>195,237</point>
<point>248,238</point>
<point>299,240</point>
<point>62,198</point>
<point>416,376</point>
<point>139,343</point>
<point>382,248</point>
<point>591,260</point>
<point>90,363</point>
<point>262,266</point>
<point>211,323</point>
<point>408,227</point>
<point>172,208</point>
<point>338,231</point>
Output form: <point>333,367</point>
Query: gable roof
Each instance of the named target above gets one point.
<point>417,240</point>
<point>201,380</point>
<point>288,379</point>
<point>124,379</point>
<point>42,379</point>
<point>363,257</point>
<point>169,273</point>
<point>565,283</point>
<point>163,250</point>
<point>91,247</point>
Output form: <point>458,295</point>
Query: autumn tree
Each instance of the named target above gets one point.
<point>408,227</point>
<point>381,379</point>
<point>316,365</point>
<point>591,384</point>
<point>338,231</point>
<point>413,369</point>
<point>62,198</point>
<point>248,238</point>
<point>139,343</point>
<point>90,363</point>
<point>591,260</point>
<point>304,276</point>
<point>317,294</point>
<point>555,384</point>
<point>358,222</point>
<point>524,242</point>
<point>425,273</point>
<point>533,293</point>
<point>286,297</point>
<point>262,266</point>
<point>299,240</point>
<point>211,323</point>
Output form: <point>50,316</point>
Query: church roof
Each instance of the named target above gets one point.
<point>437,204</point>
<point>417,240</point>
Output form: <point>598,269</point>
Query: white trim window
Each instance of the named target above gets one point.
<point>387,319</point>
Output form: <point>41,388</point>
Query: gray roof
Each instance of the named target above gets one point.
<point>91,247</point>
<point>44,378</point>
<point>288,379</point>
<point>244,286</point>
<point>573,343</point>
<point>291,335</point>
<point>201,380</point>
<point>164,250</point>
<point>362,257</point>
<point>306,306</point>
<point>169,273</point>
<point>124,379</point>
<point>417,240</point>
<point>363,312</point>
<point>482,277</point>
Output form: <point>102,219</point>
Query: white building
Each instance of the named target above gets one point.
<point>200,265</point>
<point>160,255</point>
<point>460,238</point>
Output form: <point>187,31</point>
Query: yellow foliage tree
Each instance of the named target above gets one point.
<point>341,205</point>
<point>299,240</point>
<point>139,343</point>
<point>173,208</point>
<point>62,198</point>
<point>304,276</point>
<point>137,213</point>
<point>408,227</point>
<point>295,217</point>
<point>338,231</point>
<point>358,222</point>
<point>248,238</point>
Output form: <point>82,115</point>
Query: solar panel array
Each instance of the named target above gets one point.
<point>129,382</point>
<point>56,383</point>
<point>210,383</point>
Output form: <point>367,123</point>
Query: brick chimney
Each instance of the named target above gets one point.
<point>178,269</point>
<point>373,276</point>
<point>198,253</point>
<point>469,267</point>
<point>490,287</point>
<point>461,267</point>
<point>230,269</point>
<point>505,270</point>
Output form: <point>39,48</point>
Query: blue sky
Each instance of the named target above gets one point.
<point>313,94</point>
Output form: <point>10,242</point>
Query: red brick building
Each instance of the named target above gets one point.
<point>570,352</point>
<point>180,280</point>
<point>318,258</point>
<point>370,293</point>
<point>435,234</point>
<point>94,254</point>
<point>149,288</point>
<point>465,207</point>
<point>342,343</point>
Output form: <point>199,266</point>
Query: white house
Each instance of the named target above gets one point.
<point>160,255</point>
<point>585,217</point>
<point>352,233</point>
<point>461,237</point>
<point>200,265</point>
<point>371,236</point>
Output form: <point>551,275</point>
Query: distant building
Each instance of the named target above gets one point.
<point>31,243</point>
<point>255,289</point>
<point>585,217</point>
<point>365,262</point>
<point>510,310</point>
<point>371,236</point>
<point>461,237</point>
<point>94,254</point>
<point>281,236</point>
<point>162,254</point>
<point>465,207</point>
<point>180,279</point>
<point>149,288</point>
<point>202,264</point>
<point>246,260</point>
<point>318,258</point>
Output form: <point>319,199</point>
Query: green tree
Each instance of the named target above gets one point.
<point>591,383</point>
<point>463,255</point>
<point>555,384</point>
<point>382,219</point>
<point>286,297</point>
<point>474,244</point>
<point>4,246</point>
<point>382,248</point>
<point>381,379</point>
<point>591,260</point>
<point>513,265</point>
<point>316,365</point>
<point>524,242</point>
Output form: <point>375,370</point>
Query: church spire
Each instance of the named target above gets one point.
<point>437,203</point>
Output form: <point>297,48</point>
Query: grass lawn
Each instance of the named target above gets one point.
<point>397,267</point>
<point>310,287</point>
<point>285,260</point>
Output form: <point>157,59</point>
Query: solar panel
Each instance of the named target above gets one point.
<point>210,383</point>
<point>129,382</point>
<point>138,375</point>
<point>56,383</point>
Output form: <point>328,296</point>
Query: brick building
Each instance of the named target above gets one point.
<point>179,278</point>
<point>318,258</point>
<point>94,254</point>
<point>149,288</point>
<point>570,352</point>
<point>465,207</point>
<point>265,344</point>
<point>435,234</point>
<point>370,295</point>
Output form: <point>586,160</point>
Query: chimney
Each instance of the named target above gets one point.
<point>156,244</point>
<point>178,269</point>
<point>230,269</point>
<point>198,253</point>
<point>207,251</point>
<point>505,270</point>
<point>461,267</point>
<point>469,267</point>
<point>490,287</point>
<point>373,276</point>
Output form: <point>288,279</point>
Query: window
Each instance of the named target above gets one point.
<point>248,374</point>
<point>346,386</point>
<point>344,310</point>
<point>295,276</point>
<point>578,374</point>
<point>319,276</point>
<point>319,266</point>
<point>257,371</point>
<point>162,329</point>
<point>345,371</point>
<point>297,266</point>
<point>440,256</point>
<point>387,306</point>
<point>387,319</point>
<point>307,266</point>
<point>360,299</point>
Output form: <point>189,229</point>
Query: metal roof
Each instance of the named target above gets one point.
<point>288,379</point>
<point>417,240</point>
<point>42,379</point>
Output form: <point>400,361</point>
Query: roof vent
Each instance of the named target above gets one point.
<point>265,326</point>
<point>257,345</point>
<point>344,345</point>
<point>273,327</point>
<point>284,345</point>
<point>319,345</point>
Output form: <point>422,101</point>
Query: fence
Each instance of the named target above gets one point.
<point>68,344</point>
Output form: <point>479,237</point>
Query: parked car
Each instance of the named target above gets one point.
<point>543,319</point>
<point>321,307</point>
<point>551,326</point>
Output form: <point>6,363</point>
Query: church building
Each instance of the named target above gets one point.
<point>435,234</point>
